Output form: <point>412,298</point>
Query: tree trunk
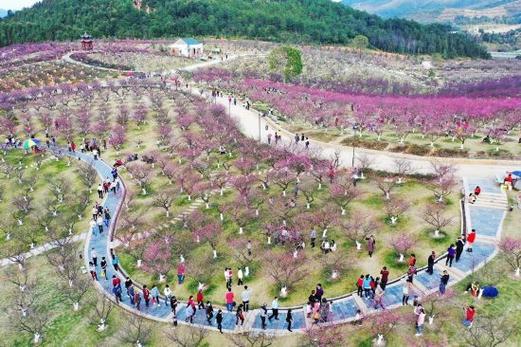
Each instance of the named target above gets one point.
<point>269,240</point>
<point>214,253</point>
<point>401,259</point>
<point>76,306</point>
<point>358,246</point>
<point>139,263</point>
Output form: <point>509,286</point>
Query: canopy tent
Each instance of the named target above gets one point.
<point>30,143</point>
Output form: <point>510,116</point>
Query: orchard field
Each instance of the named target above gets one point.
<point>197,193</point>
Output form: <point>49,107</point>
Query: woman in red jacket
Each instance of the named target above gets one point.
<point>471,238</point>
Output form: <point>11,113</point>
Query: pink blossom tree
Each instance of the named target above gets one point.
<point>395,208</point>
<point>285,270</point>
<point>117,136</point>
<point>511,252</point>
<point>358,227</point>
<point>401,243</point>
<point>210,233</point>
<point>141,173</point>
<point>157,258</point>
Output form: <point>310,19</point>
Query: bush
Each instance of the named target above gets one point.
<point>370,144</point>
<point>448,152</point>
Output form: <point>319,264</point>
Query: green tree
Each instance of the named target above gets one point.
<point>360,42</point>
<point>287,61</point>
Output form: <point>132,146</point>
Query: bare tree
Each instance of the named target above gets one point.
<point>102,308</point>
<point>188,337</point>
<point>491,330</point>
<point>403,167</point>
<point>251,339</point>
<point>164,200</point>
<point>138,331</point>
<point>434,215</point>
<point>386,185</point>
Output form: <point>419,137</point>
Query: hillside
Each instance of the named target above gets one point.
<point>454,11</point>
<point>301,21</point>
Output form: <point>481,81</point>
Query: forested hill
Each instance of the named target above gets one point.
<point>297,21</point>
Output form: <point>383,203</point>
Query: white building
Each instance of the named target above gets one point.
<point>188,47</point>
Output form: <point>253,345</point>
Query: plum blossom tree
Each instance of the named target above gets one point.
<point>358,227</point>
<point>383,324</point>
<point>395,208</point>
<point>324,336</point>
<point>210,233</point>
<point>511,252</point>
<point>141,173</point>
<point>157,258</point>
<point>401,243</point>
<point>117,136</point>
<point>343,195</point>
<point>285,269</point>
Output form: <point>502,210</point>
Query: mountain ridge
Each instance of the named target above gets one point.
<point>442,10</point>
<point>292,21</point>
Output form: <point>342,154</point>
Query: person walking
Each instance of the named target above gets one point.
<point>378,298</point>
<point>154,292</point>
<point>146,295</point>
<point>274,309</point>
<point>100,191</point>
<point>289,320</point>
<point>367,286</point>
<point>319,292</point>
<point>239,315</point>
<point>313,237</point>
<point>471,238</point>
<point>240,277</point>
<point>94,257</point>
<point>103,265</point>
<point>92,270</point>
<point>249,247</point>
<point>219,320</point>
<point>371,245</point>
<point>430,263</point>
<point>167,292</point>
<point>420,321</point>
<point>200,299</point>
<point>229,299</point>
<point>360,285</point>
<point>131,295</point>
<point>181,272</point>
<point>412,260</point>
<point>460,244</point>
<point>173,304</point>
<point>190,313</point>
<point>209,312</point>
<point>384,277</point>
<point>451,253</point>
<point>263,316</point>
<point>137,300</point>
<point>115,262</point>
<point>106,217</point>
<point>444,280</point>
<point>245,297</point>
<point>99,222</point>
<point>405,293</point>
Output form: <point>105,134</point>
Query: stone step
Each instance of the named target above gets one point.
<point>491,204</point>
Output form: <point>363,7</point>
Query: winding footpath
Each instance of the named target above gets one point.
<point>486,217</point>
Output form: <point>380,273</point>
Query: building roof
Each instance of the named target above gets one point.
<point>191,41</point>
